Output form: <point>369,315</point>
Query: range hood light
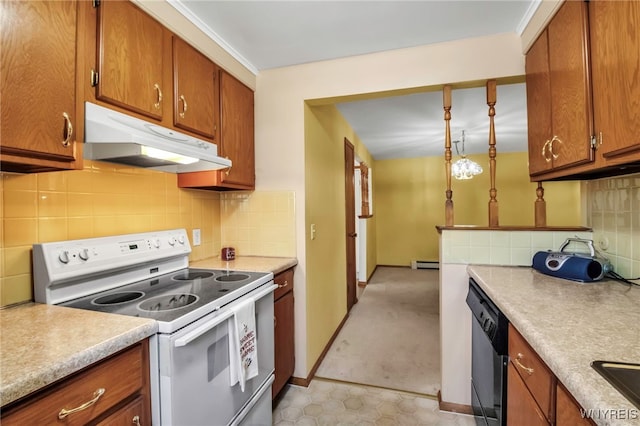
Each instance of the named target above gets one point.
<point>166,155</point>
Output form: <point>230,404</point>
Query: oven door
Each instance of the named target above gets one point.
<point>194,367</point>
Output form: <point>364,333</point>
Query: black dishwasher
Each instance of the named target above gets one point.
<point>489,358</point>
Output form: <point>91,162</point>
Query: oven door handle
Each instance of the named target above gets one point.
<point>193,335</point>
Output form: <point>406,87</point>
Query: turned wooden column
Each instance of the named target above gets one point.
<point>448,204</point>
<point>493,192</point>
<point>540,208</point>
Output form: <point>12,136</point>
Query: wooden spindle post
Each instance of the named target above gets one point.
<point>448,204</point>
<point>540,208</point>
<point>493,192</point>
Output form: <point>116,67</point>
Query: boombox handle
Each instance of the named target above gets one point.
<point>589,244</point>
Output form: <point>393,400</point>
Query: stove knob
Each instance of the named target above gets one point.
<point>172,241</point>
<point>84,254</point>
<point>64,257</point>
<point>181,239</point>
<point>156,243</point>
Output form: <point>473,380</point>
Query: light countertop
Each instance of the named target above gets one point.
<point>569,325</point>
<point>40,344</point>
<point>248,263</point>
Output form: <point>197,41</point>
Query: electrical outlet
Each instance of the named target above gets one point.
<point>196,237</point>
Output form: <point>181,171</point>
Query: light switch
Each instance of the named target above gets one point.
<point>313,231</point>
<point>196,237</point>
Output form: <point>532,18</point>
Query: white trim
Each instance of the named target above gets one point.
<point>184,10</point>
<point>526,18</point>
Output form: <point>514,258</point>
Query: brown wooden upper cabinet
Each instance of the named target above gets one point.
<point>130,59</point>
<point>236,140</point>
<point>615,61</point>
<point>38,72</point>
<point>558,93</point>
<point>582,92</point>
<point>143,68</point>
<point>195,90</point>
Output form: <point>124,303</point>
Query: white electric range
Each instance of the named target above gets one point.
<point>147,275</point>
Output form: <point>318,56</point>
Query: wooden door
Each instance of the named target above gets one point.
<point>38,102</point>
<point>571,108</point>
<point>195,101</point>
<point>237,132</point>
<point>350,217</point>
<point>130,58</point>
<point>538,105</point>
<point>615,61</point>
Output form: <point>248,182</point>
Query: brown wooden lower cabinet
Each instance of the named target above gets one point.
<point>522,409</point>
<point>110,392</point>
<point>283,323</point>
<point>534,395</point>
<point>568,410</point>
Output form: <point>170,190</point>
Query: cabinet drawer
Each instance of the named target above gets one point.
<point>120,376</point>
<point>534,373</point>
<point>284,280</point>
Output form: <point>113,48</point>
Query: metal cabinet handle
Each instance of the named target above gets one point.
<point>286,283</point>
<point>159,98</point>
<point>544,151</point>
<point>136,420</point>
<point>96,396</point>
<point>68,130</point>
<point>553,154</point>
<point>184,106</point>
<point>529,370</point>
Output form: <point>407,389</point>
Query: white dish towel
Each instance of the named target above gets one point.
<point>243,346</point>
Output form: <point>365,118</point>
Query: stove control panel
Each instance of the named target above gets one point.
<point>113,250</point>
<point>100,260</point>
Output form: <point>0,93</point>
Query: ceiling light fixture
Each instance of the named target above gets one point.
<point>464,168</point>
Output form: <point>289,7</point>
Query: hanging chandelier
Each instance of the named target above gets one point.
<point>464,168</point>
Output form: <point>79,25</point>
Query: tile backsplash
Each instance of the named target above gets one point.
<point>260,223</point>
<point>105,199</point>
<point>613,211</point>
<point>501,247</point>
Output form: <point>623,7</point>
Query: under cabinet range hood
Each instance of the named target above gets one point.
<point>119,138</point>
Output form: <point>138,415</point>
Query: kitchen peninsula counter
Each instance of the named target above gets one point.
<point>41,344</point>
<point>248,263</point>
<point>569,325</point>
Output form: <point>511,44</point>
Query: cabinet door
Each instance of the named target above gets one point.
<point>522,409</point>
<point>130,58</point>
<point>538,105</point>
<point>131,414</point>
<point>615,60</point>
<point>571,108</point>
<point>38,82</point>
<point>568,411</point>
<point>195,90</point>
<point>237,132</point>
<point>284,341</point>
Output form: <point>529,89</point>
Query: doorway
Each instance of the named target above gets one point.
<point>350,225</point>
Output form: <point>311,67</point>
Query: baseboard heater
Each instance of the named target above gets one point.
<point>424,264</point>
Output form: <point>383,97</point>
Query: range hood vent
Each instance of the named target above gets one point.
<point>119,138</point>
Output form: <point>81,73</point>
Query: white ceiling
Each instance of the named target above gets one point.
<point>271,34</point>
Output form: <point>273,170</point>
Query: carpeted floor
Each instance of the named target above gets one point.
<point>391,338</point>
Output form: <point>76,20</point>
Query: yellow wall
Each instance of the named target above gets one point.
<point>410,202</point>
<point>325,130</point>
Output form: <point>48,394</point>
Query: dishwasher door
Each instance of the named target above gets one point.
<point>489,359</point>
